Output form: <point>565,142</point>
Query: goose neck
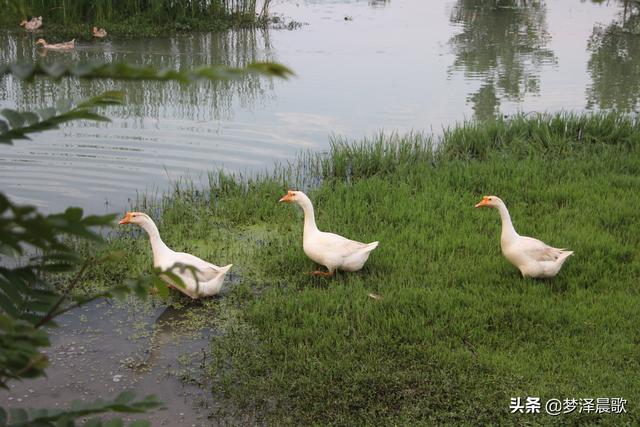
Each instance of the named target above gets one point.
<point>309,216</point>
<point>157,245</point>
<point>508,232</point>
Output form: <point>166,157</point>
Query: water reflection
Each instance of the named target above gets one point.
<point>398,65</point>
<point>503,44</point>
<point>200,101</point>
<point>165,129</point>
<point>615,61</point>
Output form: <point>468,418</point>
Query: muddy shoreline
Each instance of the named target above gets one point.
<point>104,348</point>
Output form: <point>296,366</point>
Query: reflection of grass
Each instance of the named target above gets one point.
<point>457,331</point>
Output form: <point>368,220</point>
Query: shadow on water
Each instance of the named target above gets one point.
<point>504,45</point>
<point>615,61</point>
<point>174,324</point>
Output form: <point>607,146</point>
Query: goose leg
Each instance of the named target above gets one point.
<point>322,273</point>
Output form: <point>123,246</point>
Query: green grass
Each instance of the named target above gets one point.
<point>457,332</point>
<point>134,18</point>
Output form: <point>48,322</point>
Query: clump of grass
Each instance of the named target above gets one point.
<point>457,332</point>
<point>137,18</point>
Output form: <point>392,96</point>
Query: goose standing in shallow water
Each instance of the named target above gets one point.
<point>209,276</point>
<point>532,257</point>
<point>57,46</point>
<point>331,250</point>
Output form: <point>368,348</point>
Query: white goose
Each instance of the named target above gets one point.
<point>533,257</point>
<point>331,250</point>
<point>209,276</point>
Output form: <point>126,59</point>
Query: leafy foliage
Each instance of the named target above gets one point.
<point>124,71</point>
<point>124,402</point>
<point>16,125</point>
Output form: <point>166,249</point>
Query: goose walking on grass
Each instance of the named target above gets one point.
<point>208,277</point>
<point>57,46</point>
<point>331,250</point>
<point>32,24</point>
<point>99,32</point>
<point>532,257</point>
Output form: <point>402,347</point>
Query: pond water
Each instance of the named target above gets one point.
<point>361,66</point>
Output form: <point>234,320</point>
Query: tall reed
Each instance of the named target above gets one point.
<point>160,11</point>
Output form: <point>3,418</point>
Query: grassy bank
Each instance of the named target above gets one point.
<point>457,332</point>
<point>63,19</point>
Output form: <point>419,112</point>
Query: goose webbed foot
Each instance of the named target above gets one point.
<point>321,273</point>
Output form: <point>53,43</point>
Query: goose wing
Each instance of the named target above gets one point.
<point>539,250</point>
<point>206,270</point>
<point>338,244</point>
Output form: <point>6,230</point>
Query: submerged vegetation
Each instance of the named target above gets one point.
<point>456,331</point>
<point>136,17</point>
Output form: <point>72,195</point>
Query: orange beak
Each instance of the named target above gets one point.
<point>483,202</point>
<point>126,219</point>
<point>288,198</point>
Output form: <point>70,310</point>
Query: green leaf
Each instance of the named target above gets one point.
<point>125,397</point>
<point>30,117</point>
<point>15,119</point>
<point>8,306</point>
<point>124,71</point>
<point>73,214</point>
<point>113,97</point>
<point>78,409</point>
<point>18,415</point>
<point>51,118</point>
